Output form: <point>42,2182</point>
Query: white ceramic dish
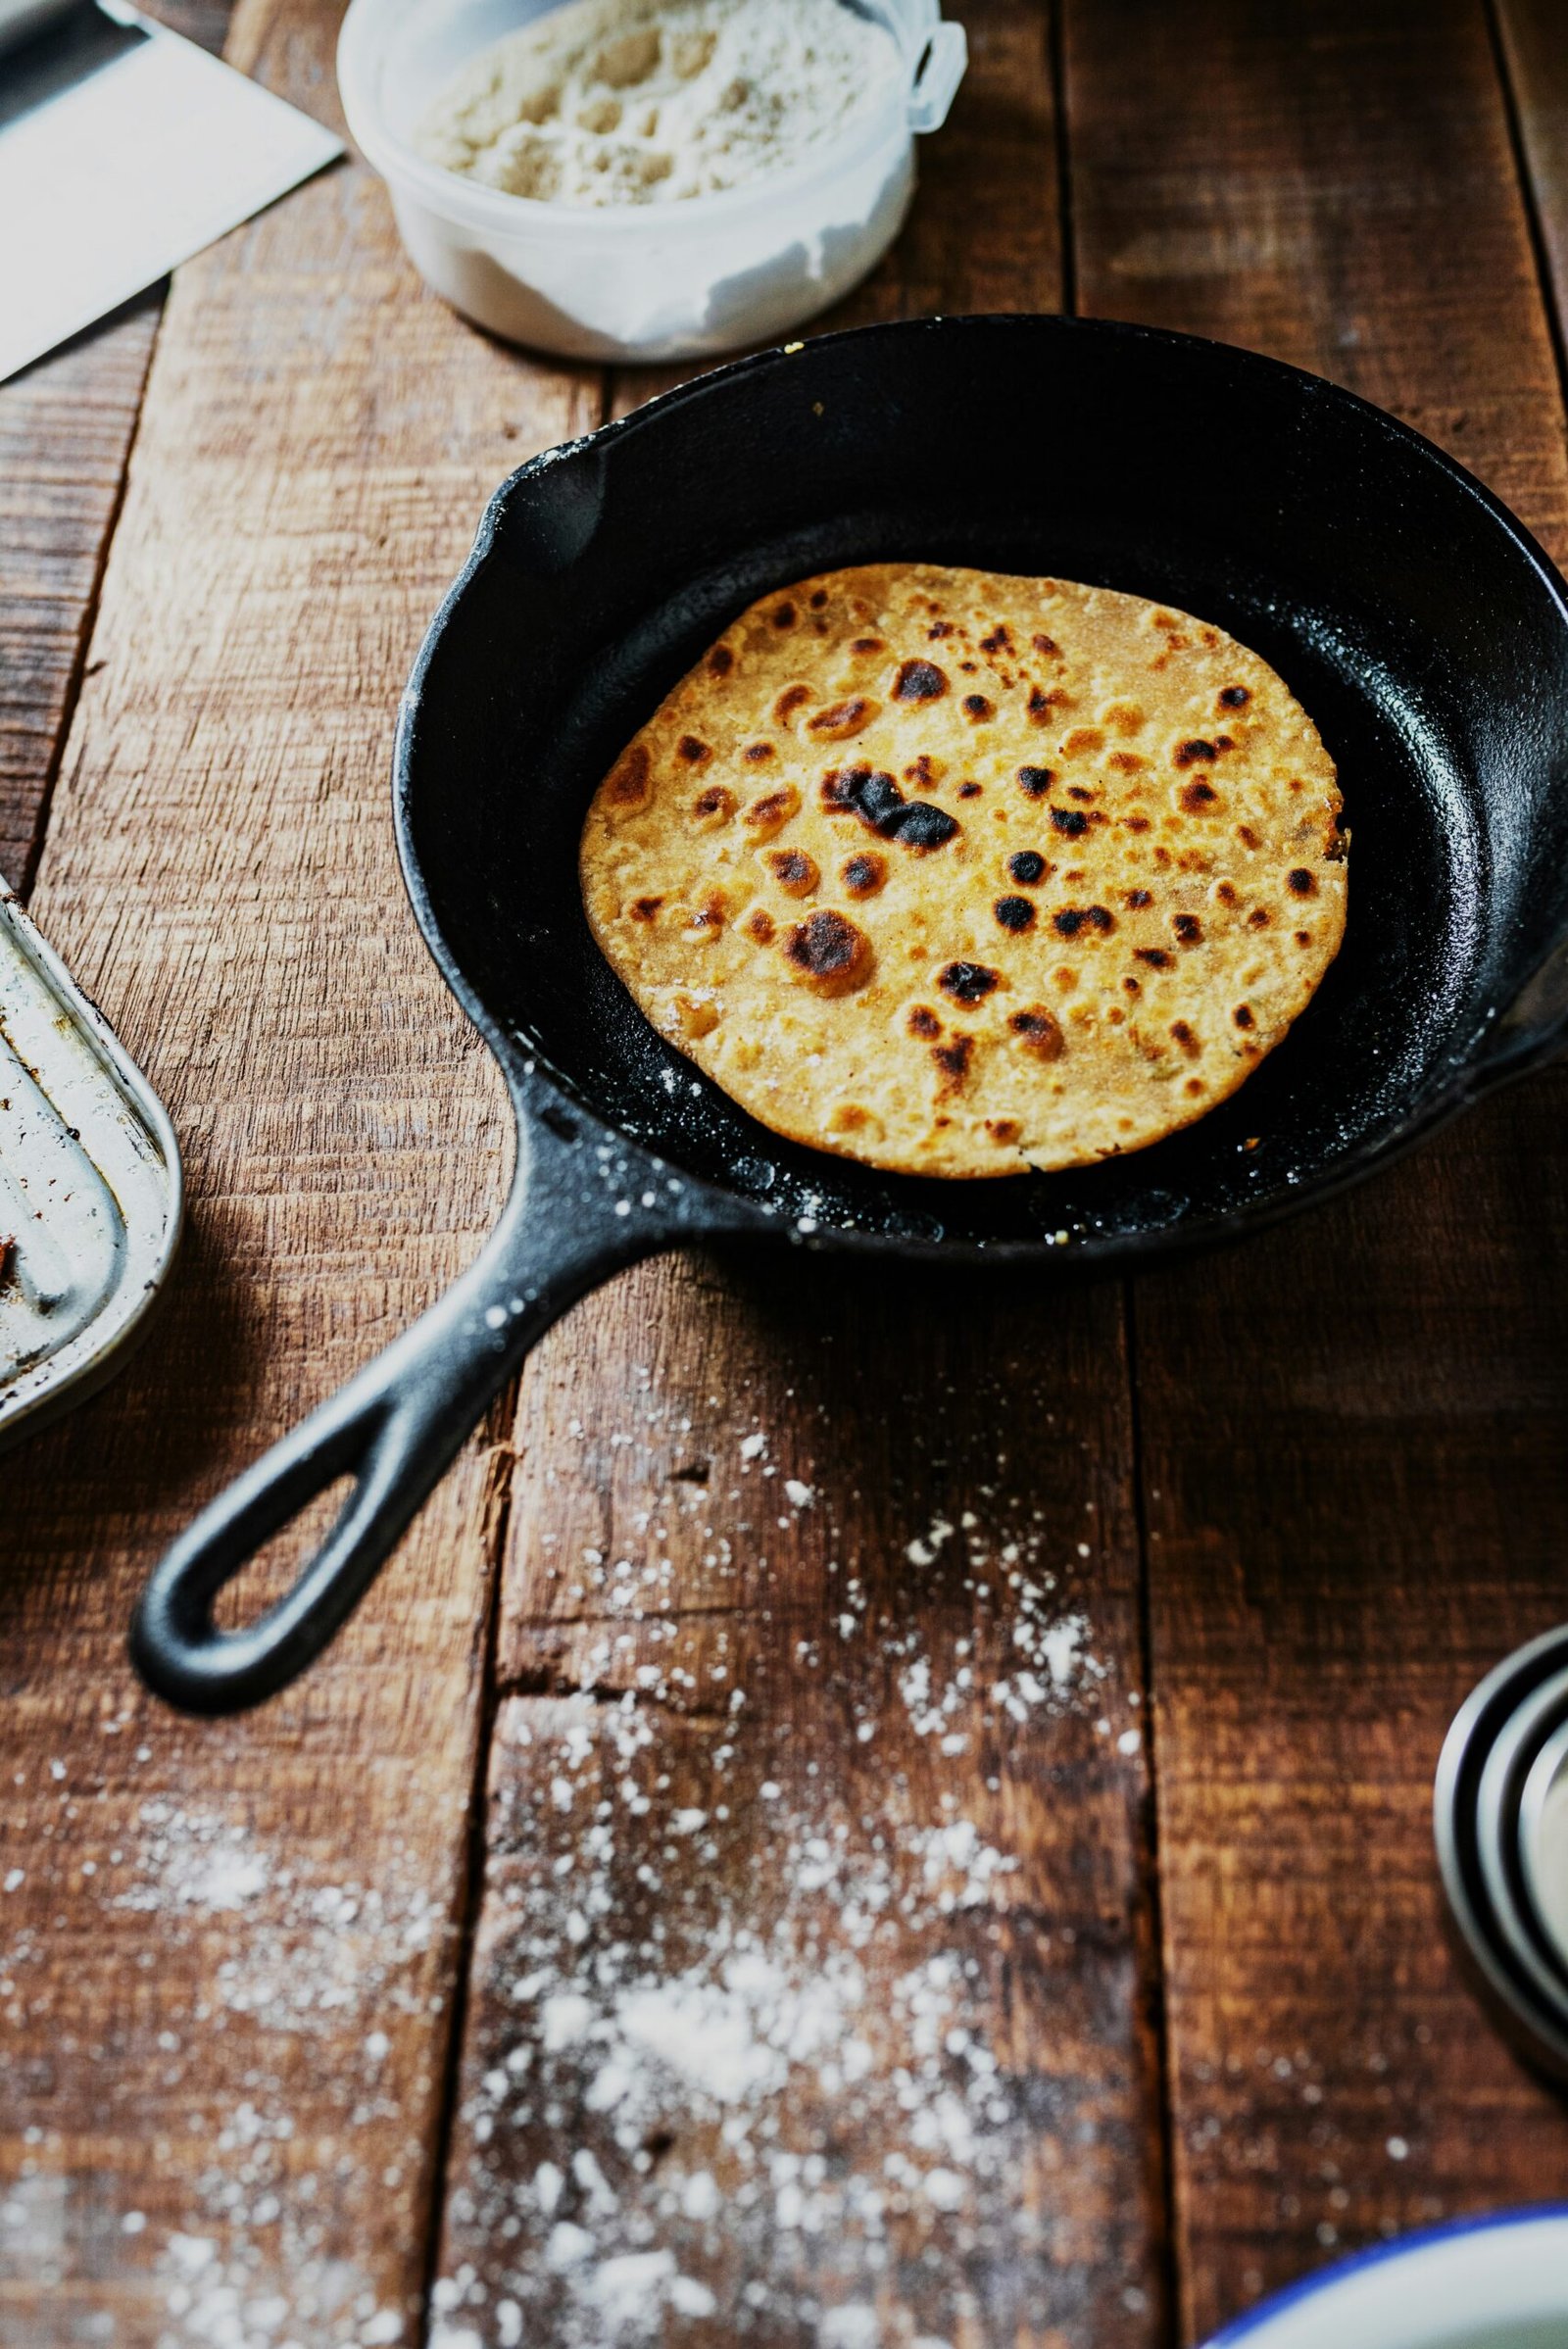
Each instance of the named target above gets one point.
<point>1499,2283</point>
<point>682,280</point>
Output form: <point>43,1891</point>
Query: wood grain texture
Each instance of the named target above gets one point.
<point>1354,1430</point>
<point>226,1951</point>
<point>812,1964</point>
<point>983,232</point>
<point>1533,40</point>
<point>66,429</point>
<point>809,1998</point>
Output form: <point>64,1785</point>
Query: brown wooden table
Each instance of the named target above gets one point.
<point>651,1916</point>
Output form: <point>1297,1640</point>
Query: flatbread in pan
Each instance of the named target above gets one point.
<point>961,874</point>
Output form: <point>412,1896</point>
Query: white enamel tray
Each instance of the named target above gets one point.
<point>91,1191</point>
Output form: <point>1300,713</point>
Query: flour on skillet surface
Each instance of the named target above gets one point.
<point>642,102</point>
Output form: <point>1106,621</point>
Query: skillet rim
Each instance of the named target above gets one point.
<point>539,1094</point>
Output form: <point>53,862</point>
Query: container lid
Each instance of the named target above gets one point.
<point>1501,1816</point>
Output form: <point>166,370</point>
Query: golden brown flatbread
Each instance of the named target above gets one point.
<point>961,875</point>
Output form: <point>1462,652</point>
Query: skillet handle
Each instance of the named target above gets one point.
<point>394,1428</point>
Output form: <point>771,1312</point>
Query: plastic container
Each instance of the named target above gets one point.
<point>681,280</point>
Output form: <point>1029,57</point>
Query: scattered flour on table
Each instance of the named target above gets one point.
<point>740,2050</point>
<point>271,1961</point>
<point>608,102</point>
<point>792,2048</point>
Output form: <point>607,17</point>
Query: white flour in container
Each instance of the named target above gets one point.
<point>649,100</point>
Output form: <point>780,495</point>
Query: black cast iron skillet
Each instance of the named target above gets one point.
<point>1413,616</point>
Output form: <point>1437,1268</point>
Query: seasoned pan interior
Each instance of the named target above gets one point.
<point>1413,621</point>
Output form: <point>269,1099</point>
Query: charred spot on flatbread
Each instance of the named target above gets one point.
<point>871,794</point>
<point>829,952</point>
<point>796,873</point>
<point>919,681</point>
<point>714,805</point>
<point>771,812</point>
<point>1069,920</point>
<point>628,783</point>
<point>863,873</point>
<point>1039,1031</point>
<point>968,982</point>
<point>840,719</point>
<point>952,1060</point>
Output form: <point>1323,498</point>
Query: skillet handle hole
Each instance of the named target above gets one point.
<point>273,1569</point>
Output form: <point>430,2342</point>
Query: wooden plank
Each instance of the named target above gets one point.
<point>226,1951</point>
<point>813,1948</point>
<point>1353,1431</point>
<point>810,1994</point>
<point>1534,54</point>
<point>66,427</point>
<point>984,232</point>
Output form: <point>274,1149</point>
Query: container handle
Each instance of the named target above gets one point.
<point>937,76</point>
